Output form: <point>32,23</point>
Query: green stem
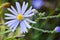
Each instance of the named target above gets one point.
<point>5,32</point>
<point>49,17</point>
<point>43,30</point>
<point>56,16</point>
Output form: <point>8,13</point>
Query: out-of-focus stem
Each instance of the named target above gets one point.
<point>43,30</point>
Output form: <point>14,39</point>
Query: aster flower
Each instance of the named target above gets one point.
<point>19,17</point>
<point>57,29</point>
<point>37,4</point>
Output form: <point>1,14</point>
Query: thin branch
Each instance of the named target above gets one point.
<point>42,30</point>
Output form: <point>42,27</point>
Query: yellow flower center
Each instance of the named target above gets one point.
<point>20,16</point>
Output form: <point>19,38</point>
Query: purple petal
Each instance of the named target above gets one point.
<point>14,10</point>
<point>27,24</point>
<point>24,7</point>
<point>30,21</point>
<point>28,11</point>
<point>11,11</point>
<point>15,26</point>
<point>9,15</point>
<point>10,21</point>
<point>30,15</point>
<point>14,17</point>
<point>18,7</point>
<point>23,27</point>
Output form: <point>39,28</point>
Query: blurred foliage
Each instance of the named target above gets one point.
<point>52,9</point>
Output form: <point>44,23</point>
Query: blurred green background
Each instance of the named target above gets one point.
<point>50,7</point>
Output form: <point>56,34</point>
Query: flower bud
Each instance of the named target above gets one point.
<point>57,29</point>
<point>7,5</point>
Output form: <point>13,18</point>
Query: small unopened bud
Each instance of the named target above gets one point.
<point>6,5</point>
<point>57,29</point>
<point>42,14</point>
<point>34,11</point>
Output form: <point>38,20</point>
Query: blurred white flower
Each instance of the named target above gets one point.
<point>19,17</point>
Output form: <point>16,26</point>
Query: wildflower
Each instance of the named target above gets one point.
<point>37,4</point>
<point>20,17</point>
<point>57,29</point>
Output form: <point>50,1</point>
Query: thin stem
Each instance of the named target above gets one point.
<point>42,30</point>
<point>5,32</point>
<point>48,17</point>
